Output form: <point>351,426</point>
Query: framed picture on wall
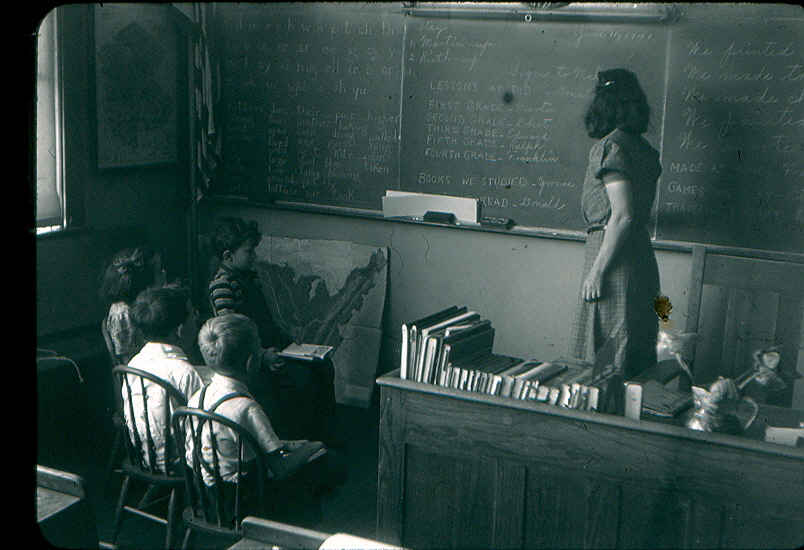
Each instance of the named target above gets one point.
<point>135,85</point>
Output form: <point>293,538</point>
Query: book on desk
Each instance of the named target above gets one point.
<point>453,346</point>
<point>411,340</point>
<point>437,341</point>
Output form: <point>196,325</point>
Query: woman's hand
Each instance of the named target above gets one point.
<point>592,288</point>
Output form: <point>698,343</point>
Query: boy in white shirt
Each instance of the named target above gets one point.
<point>301,469</point>
<point>158,314</point>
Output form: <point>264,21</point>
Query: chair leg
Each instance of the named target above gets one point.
<point>118,513</point>
<point>114,457</point>
<point>185,544</point>
<point>171,519</point>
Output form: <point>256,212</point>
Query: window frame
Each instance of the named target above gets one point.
<point>58,221</point>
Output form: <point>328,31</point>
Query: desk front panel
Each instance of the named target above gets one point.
<point>468,472</point>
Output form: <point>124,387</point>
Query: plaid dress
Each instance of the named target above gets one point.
<point>621,327</point>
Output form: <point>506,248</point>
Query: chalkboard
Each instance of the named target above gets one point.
<point>495,111</point>
<point>310,102</point>
<point>733,152</point>
<point>333,104</point>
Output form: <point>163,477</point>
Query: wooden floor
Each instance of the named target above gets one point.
<point>350,509</point>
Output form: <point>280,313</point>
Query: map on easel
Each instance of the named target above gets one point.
<point>329,293</point>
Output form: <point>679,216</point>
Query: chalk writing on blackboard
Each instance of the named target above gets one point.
<point>498,116</point>
<point>311,103</point>
<point>734,137</point>
<point>333,104</point>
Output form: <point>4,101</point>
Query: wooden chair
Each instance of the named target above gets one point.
<point>738,305</point>
<point>139,464</point>
<point>116,455</point>
<point>217,511</point>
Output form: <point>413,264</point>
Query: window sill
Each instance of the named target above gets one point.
<point>65,232</point>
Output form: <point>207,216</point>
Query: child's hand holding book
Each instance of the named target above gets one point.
<point>271,358</point>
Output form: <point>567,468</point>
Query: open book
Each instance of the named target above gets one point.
<point>305,351</point>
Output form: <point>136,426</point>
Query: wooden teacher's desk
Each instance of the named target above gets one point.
<point>459,469</point>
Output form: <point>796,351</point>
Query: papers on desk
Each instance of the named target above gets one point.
<point>660,400</point>
<point>785,436</point>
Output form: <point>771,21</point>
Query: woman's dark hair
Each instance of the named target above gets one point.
<point>129,273</point>
<point>230,233</point>
<point>619,102</point>
<point>157,312</point>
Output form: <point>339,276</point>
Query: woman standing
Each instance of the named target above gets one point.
<point>621,278</point>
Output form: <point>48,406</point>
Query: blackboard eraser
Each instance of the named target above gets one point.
<point>497,223</point>
<point>440,217</point>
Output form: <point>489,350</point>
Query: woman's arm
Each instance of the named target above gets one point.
<point>619,191</point>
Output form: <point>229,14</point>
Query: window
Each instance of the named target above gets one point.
<point>50,211</point>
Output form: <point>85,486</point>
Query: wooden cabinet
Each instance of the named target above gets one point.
<point>465,470</point>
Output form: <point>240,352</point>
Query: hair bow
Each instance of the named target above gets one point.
<point>123,265</point>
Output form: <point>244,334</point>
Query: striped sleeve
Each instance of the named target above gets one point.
<point>224,294</point>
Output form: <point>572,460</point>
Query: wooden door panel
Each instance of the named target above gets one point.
<point>569,511</point>
<point>664,518</point>
<point>711,327</point>
<point>746,526</point>
<point>739,305</point>
<point>733,324</point>
<point>449,500</point>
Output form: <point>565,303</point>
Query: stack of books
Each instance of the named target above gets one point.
<point>559,383</point>
<point>659,400</point>
<point>453,348</point>
<point>564,383</point>
<point>528,379</point>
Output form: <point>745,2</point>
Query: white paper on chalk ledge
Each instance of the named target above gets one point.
<point>343,541</point>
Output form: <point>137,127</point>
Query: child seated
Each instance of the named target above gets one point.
<point>298,395</point>
<point>131,271</point>
<point>158,314</point>
<point>230,346</point>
